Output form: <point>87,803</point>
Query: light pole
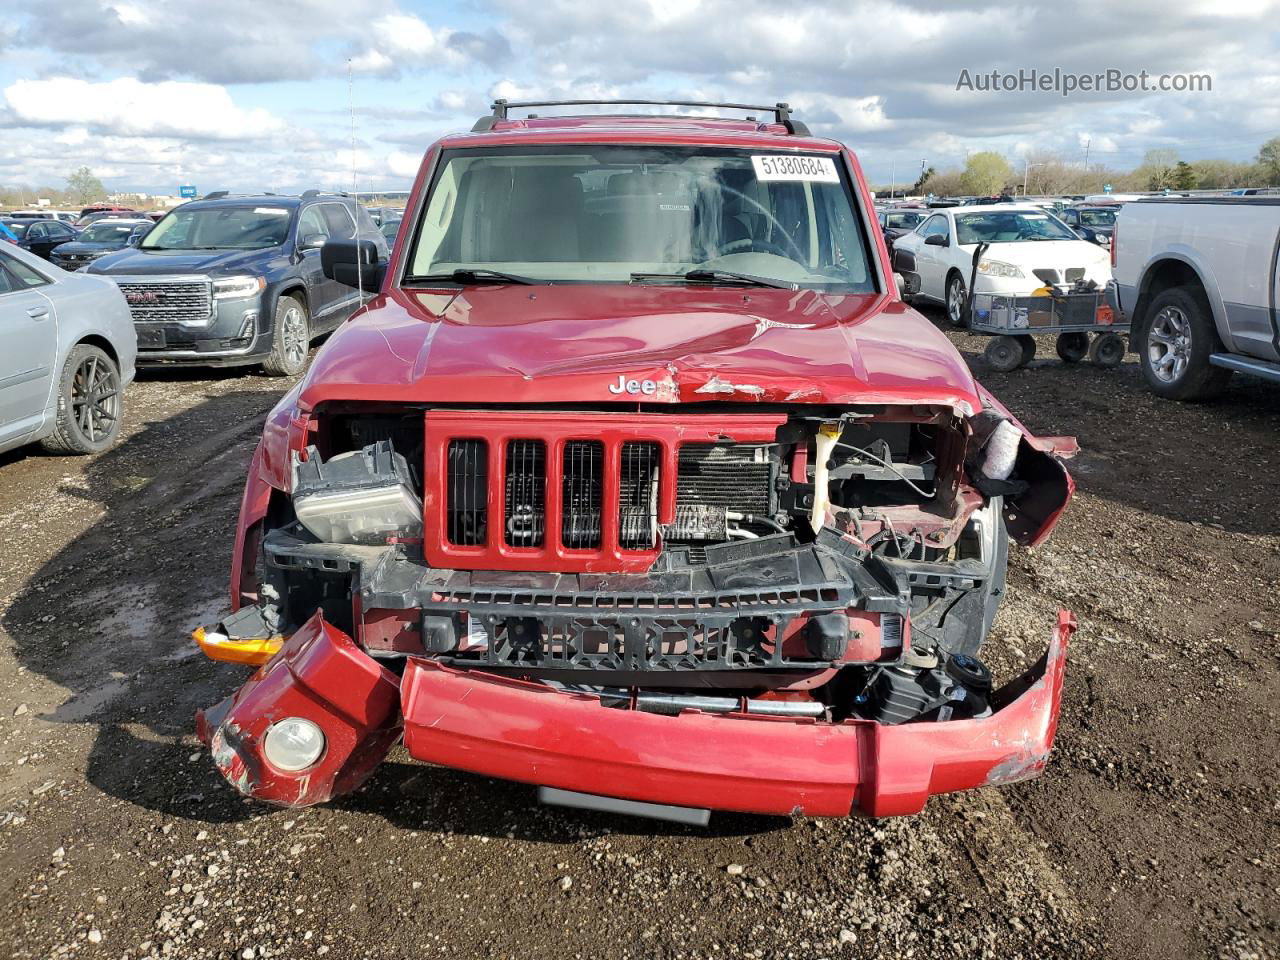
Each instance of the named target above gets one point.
<point>922,162</point>
<point>893,177</point>
<point>1026,172</point>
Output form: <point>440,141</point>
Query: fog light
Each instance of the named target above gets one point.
<point>293,744</point>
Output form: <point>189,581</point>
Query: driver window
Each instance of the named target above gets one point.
<point>936,227</point>
<point>310,222</point>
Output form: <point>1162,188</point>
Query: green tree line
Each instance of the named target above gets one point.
<point>1047,173</point>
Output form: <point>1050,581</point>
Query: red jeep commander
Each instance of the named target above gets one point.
<point>637,481</point>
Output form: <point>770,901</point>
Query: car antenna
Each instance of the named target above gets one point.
<point>355,184</point>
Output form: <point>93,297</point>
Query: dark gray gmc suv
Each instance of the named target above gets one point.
<point>230,280</point>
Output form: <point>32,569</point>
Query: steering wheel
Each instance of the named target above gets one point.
<point>747,243</point>
<point>768,215</point>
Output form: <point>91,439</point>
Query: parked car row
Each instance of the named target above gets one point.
<point>228,280</point>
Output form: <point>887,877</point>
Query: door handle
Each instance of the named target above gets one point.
<point>37,313</point>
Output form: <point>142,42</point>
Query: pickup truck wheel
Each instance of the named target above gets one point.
<point>1174,347</point>
<point>291,339</point>
<point>1073,347</point>
<point>955,301</point>
<point>90,403</point>
<point>1107,350</point>
<point>1004,354</point>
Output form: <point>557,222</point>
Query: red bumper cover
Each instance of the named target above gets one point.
<point>319,674</point>
<point>529,732</point>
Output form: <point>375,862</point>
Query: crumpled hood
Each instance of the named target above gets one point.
<point>654,343</point>
<point>134,261</point>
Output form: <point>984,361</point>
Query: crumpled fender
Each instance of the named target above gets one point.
<point>319,674</point>
<point>1031,516</point>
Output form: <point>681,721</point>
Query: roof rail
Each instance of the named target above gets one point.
<point>780,110</point>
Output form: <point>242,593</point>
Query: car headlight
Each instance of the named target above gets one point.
<point>237,288</point>
<point>293,744</point>
<point>997,268</point>
<point>362,496</point>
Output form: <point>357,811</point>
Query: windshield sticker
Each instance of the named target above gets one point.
<point>272,211</point>
<point>821,169</point>
<point>1035,216</point>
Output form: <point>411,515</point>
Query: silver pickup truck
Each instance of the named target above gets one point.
<point>1197,278</point>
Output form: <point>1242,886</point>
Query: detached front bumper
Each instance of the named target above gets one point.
<point>532,733</point>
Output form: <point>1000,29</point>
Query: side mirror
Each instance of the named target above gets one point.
<point>936,240</point>
<point>901,283</point>
<point>353,262</point>
<point>312,241</point>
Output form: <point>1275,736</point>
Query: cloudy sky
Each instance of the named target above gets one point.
<point>253,94</point>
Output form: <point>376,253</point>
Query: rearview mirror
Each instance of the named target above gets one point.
<point>354,263</point>
<point>936,240</point>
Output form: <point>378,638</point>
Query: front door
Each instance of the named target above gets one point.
<point>28,347</point>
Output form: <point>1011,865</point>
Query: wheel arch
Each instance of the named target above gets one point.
<point>293,288</point>
<point>1177,268</point>
<point>102,343</point>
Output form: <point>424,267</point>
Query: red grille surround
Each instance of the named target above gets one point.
<point>611,430</point>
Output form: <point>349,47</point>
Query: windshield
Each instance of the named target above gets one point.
<point>220,227</point>
<point>1009,226</point>
<point>1098,218</point>
<point>902,221</point>
<point>104,231</point>
<point>602,213</point>
<point>390,228</point>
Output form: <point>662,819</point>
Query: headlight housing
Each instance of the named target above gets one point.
<point>364,496</point>
<point>237,288</point>
<point>998,268</point>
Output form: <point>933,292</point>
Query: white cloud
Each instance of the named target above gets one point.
<point>129,106</point>
<point>402,164</point>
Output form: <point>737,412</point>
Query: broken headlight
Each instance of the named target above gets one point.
<point>365,496</point>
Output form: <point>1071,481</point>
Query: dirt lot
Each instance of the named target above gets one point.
<point>1155,832</point>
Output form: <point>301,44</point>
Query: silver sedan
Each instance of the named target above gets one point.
<point>67,347</point>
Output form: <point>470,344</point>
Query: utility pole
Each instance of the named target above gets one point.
<point>893,177</point>
<point>1088,140</point>
<point>1026,171</point>
<point>922,173</point>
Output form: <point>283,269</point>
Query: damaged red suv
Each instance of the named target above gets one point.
<point>637,481</point>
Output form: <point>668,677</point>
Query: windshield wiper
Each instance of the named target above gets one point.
<point>472,275</point>
<point>717,276</point>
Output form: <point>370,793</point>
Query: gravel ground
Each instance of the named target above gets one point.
<point>1154,833</point>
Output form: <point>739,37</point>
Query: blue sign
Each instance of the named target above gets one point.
<point>187,191</point>
<point>1106,188</point>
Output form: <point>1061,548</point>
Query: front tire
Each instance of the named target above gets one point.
<point>956,301</point>
<point>290,340</point>
<point>90,403</point>
<point>1177,339</point>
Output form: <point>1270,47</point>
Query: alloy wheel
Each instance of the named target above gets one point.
<point>294,335</point>
<point>95,399</point>
<point>1169,344</point>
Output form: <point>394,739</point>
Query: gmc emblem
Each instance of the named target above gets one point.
<point>144,296</point>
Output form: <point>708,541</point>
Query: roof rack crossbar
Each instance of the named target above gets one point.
<point>501,108</point>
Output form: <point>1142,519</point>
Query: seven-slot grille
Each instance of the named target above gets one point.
<point>169,300</point>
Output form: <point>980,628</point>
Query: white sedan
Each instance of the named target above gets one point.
<point>936,259</point>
